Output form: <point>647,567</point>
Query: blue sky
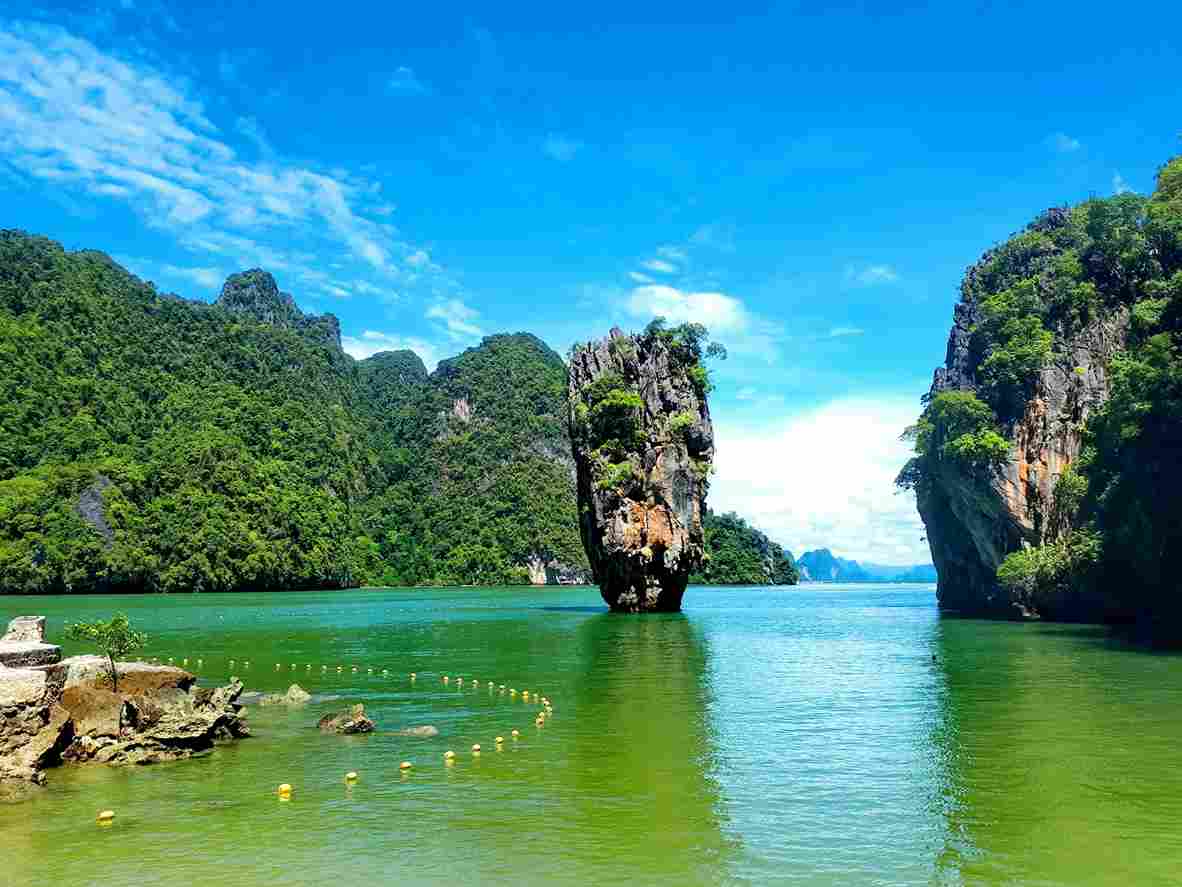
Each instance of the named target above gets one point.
<point>809,180</point>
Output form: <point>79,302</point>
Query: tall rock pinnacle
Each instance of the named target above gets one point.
<point>643,447</point>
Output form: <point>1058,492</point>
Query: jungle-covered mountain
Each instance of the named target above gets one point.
<point>150,443</point>
<point>1048,465</point>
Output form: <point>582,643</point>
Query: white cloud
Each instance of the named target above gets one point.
<point>561,148</point>
<point>674,253</point>
<point>839,331</point>
<point>1063,143</point>
<point>825,478</point>
<point>1119,185</point>
<point>371,342</point>
<point>90,121</point>
<point>721,313</point>
<point>871,274</point>
<point>405,81</point>
<point>210,278</point>
<point>659,265</point>
<point>418,258</point>
<point>457,318</point>
<point>640,278</point>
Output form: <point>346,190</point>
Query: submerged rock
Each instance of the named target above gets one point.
<point>643,445</point>
<point>424,732</point>
<point>351,720</point>
<point>295,695</point>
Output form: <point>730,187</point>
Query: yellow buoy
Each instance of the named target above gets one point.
<point>413,675</point>
<point>324,668</point>
<point>284,789</point>
<point>476,749</point>
<point>448,755</point>
<point>446,679</point>
<point>460,682</point>
<point>514,734</point>
<point>106,816</point>
<point>351,776</point>
<point>500,739</point>
<point>385,671</point>
<point>405,765</point>
<point>512,692</point>
<point>247,663</point>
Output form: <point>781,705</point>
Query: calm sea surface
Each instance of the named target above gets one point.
<point>814,736</point>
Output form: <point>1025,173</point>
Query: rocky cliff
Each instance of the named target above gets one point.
<point>1057,388</point>
<point>643,446</point>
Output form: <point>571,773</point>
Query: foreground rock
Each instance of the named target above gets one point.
<point>24,644</point>
<point>351,720</point>
<point>66,713</point>
<point>643,445</point>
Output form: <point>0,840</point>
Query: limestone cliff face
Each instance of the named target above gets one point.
<point>643,445</point>
<point>975,518</point>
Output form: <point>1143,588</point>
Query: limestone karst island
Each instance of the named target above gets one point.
<point>651,445</point>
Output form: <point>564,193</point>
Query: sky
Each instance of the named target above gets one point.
<point>809,180</point>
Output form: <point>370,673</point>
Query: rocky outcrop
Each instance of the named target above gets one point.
<point>351,720</point>
<point>65,713</point>
<point>974,518</point>
<point>24,644</point>
<point>643,446</point>
<point>256,294</point>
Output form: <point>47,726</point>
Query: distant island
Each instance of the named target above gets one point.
<point>822,565</point>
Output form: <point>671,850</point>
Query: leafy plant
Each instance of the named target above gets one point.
<point>114,638</point>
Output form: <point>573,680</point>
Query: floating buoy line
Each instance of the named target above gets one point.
<point>284,790</point>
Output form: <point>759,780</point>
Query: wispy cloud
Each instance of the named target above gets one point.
<point>87,120</point>
<point>1119,185</point>
<point>404,81</point>
<point>458,319</point>
<point>1063,143</point>
<point>871,274</point>
<point>561,148</point>
<point>719,236</point>
<point>673,253</point>
<point>659,265</point>
<point>640,278</point>
<point>418,258</point>
<point>210,278</point>
<point>372,342</point>
<point>839,331</point>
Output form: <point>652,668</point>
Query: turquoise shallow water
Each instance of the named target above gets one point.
<point>794,736</point>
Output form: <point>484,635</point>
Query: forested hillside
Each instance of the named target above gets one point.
<point>1048,463</point>
<point>149,443</point>
<point>739,554</point>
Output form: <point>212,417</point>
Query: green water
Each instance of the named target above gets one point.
<point>764,736</point>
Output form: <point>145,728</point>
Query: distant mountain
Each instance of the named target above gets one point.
<point>822,565</point>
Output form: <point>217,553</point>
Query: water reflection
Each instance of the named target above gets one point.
<point>642,763</point>
<point>1060,757</point>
